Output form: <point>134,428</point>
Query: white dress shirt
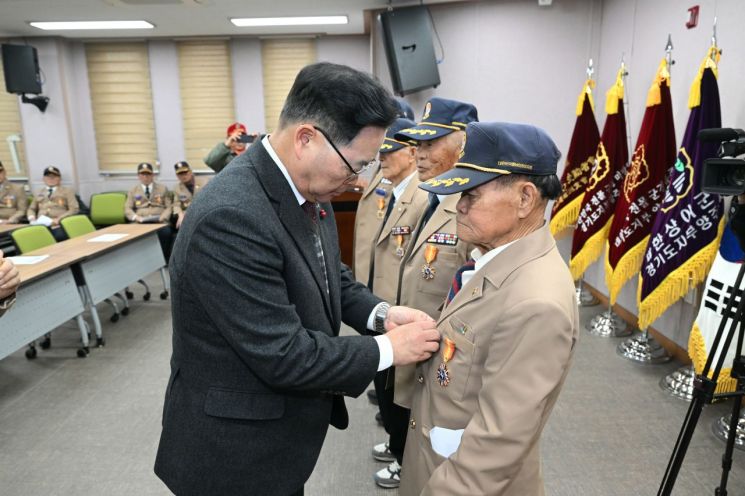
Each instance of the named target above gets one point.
<point>481,261</point>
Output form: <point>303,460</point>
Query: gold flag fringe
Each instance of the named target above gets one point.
<point>590,252</point>
<point>586,90</point>
<point>565,218</point>
<point>627,266</point>
<point>675,286</point>
<point>698,353</point>
<point>615,93</point>
<point>710,62</point>
<point>654,97</point>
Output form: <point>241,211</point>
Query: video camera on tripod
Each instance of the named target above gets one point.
<point>724,175</point>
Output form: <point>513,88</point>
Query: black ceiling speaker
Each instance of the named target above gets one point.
<point>22,75</point>
<point>407,35</point>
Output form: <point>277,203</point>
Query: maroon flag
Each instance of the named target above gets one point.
<point>580,157</point>
<point>686,231</point>
<point>603,187</point>
<point>643,186</point>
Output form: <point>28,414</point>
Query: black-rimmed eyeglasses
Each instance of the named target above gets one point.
<point>351,169</point>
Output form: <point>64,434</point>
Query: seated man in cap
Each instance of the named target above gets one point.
<point>13,200</point>
<point>150,202</point>
<point>508,329</point>
<point>187,187</point>
<point>235,144</point>
<point>434,252</point>
<point>53,201</point>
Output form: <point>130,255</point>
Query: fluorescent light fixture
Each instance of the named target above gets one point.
<point>244,22</point>
<point>64,25</point>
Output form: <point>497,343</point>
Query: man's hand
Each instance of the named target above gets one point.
<point>414,342</point>
<point>403,315</point>
<point>55,222</point>
<point>9,277</point>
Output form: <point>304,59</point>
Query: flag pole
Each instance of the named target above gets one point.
<point>679,382</point>
<point>584,297</point>
<point>609,324</point>
<point>643,348</point>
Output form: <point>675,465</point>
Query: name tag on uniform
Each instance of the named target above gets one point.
<point>443,239</point>
<point>400,230</point>
<point>380,191</point>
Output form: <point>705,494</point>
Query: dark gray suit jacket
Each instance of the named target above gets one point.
<point>258,370</point>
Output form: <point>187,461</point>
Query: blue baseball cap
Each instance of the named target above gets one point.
<point>391,144</point>
<point>404,109</point>
<point>494,149</point>
<point>441,117</point>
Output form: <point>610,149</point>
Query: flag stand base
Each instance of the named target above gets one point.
<point>720,428</point>
<point>584,297</point>
<point>643,349</point>
<point>679,383</point>
<point>608,325</point>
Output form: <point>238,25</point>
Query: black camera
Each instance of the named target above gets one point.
<point>246,138</point>
<point>724,175</point>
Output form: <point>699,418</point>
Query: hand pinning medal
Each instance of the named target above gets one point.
<point>448,350</point>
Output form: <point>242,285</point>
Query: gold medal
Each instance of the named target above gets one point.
<point>400,247</point>
<point>448,350</point>
<point>430,254</point>
<point>381,208</point>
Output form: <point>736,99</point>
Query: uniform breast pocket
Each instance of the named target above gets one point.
<point>453,374</point>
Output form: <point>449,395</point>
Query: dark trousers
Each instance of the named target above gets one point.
<point>58,233</point>
<point>395,417</point>
<point>301,492</point>
<point>166,235</point>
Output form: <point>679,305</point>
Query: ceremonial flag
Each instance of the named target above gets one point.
<point>580,158</point>
<point>604,185</point>
<point>720,287</point>
<point>643,186</point>
<point>686,230</point>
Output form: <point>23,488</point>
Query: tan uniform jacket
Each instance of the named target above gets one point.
<point>61,204</point>
<point>428,295</point>
<point>159,204</point>
<point>514,324</point>
<point>182,196</point>
<point>13,202</point>
<point>394,238</point>
<point>366,225</point>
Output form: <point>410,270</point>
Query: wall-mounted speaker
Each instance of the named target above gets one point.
<point>21,68</point>
<point>407,36</point>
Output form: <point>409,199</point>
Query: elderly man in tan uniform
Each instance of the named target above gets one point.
<point>53,201</point>
<point>508,329</point>
<point>370,211</point>
<point>188,186</point>
<point>13,200</point>
<point>406,204</point>
<point>150,202</point>
<point>434,252</point>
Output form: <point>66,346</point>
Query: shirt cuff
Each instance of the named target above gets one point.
<point>386,351</point>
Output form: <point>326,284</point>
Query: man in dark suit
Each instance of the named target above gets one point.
<point>258,370</point>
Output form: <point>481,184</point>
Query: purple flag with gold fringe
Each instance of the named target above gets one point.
<point>687,228</point>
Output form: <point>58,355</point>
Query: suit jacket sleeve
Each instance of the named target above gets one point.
<point>217,158</point>
<point>357,302</point>
<point>237,273</point>
<point>525,363</point>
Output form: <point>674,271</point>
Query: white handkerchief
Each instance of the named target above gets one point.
<point>445,442</point>
<point>42,220</point>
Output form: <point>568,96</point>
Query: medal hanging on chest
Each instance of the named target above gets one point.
<point>430,254</point>
<point>448,350</point>
<point>381,208</point>
<point>400,245</point>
